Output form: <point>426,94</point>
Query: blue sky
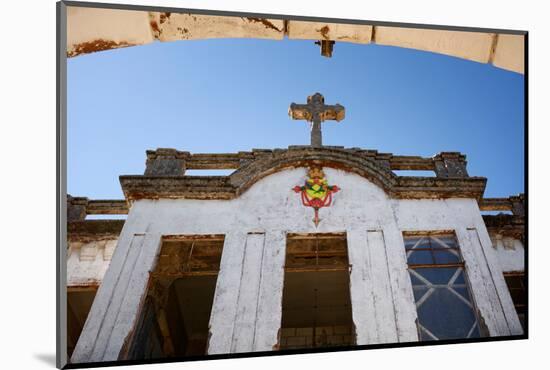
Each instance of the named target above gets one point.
<point>230,95</point>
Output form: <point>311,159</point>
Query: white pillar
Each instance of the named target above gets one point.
<point>117,304</point>
<point>224,306</point>
<point>497,276</point>
<point>362,302</point>
<point>246,313</point>
<point>371,290</point>
<point>270,300</point>
<point>489,290</point>
<point>249,290</point>
<point>402,291</point>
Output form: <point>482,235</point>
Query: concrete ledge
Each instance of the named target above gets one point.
<point>506,225</point>
<point>89,230</point>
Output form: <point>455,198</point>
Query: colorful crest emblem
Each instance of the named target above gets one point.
<point>316,192</point>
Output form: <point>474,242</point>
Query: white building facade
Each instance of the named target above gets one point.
<point>420,262</point>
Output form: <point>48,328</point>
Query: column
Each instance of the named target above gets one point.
<point>115,310</point>
<point>371,292</point>
<point>246,313</point>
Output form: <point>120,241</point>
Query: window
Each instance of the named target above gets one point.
<point>516,286</point>
<point>444,304</point>
<point>316,309</point>
<point>174,320</point>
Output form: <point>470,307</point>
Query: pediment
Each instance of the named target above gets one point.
<point>250,167</point>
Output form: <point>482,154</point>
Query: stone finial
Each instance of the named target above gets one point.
<point>316,112</point>
<point>450,164</point>
<point>165,162</point>
<point>76,208</point>
<point>518,204</point>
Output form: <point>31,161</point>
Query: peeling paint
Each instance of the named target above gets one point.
<point>374,226</point>
<point>165,16</point>
<point>155,27</point>
<point>484,330</point>
<point>228,187</point>
<point>265,22</point>
<point>96,45</point>
<point>324,32</point>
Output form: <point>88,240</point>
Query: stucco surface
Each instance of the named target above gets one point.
<point>511,254</point>
<point>87,262</point>
<point>246,313</point>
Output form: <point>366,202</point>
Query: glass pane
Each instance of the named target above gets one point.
<point>445,315</point>
<point>460,278</point>
<point>419,292</point>
<point>445,256</point>
<point>475,333</point>
<point>420,258</point>
<point>416,281</point>
<point>463,291</point>
<point>410,242</point>
<point>425,336</point>
<point>447,241</point>
<point>437,275</point>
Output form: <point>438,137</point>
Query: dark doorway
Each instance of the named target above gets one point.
<point>516,285</point>
<point>174,320</point>
<point>79,303</point>
<point>316,296</point>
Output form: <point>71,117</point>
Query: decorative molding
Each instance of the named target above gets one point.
<point>88,251</point>
<point>91,230</point>
<point>258,164</point>
<point>512,226</point>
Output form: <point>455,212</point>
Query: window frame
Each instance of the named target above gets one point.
<point>460,265</point>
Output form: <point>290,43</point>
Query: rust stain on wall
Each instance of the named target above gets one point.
<point>263,21</point>
<point>96,45</point>
<point>164,17</point>
<point>324,32</point>
<point>155,26</point>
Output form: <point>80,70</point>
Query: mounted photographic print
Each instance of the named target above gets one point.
<point>239,184</point>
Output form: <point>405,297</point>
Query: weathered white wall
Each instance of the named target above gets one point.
<point>87,262</point>
<point>115,309</point>
<point>510,252</point>
<point>483,268</point>
<point>246,313</point>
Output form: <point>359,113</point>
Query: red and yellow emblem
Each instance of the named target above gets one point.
<point>316,192</point>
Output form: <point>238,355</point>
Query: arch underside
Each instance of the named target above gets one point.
<point>95,29</point>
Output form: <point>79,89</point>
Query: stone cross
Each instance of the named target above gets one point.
<point>315,112</point>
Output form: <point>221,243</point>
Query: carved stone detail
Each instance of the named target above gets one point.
<point>518,204</point>
<point>165,162</point>
<point>76,208</point>
<point>88,251</point>
<point>450,164</point>
<point>369,164</point>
